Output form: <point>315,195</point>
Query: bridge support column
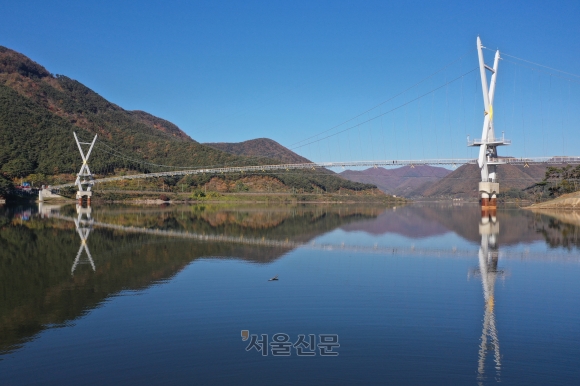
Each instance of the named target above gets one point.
<point>488,192</point>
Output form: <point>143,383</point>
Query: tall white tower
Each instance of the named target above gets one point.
<point>488,143</point>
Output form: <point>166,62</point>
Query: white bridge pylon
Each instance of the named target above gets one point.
<point>488,143</point>
<point>488,159</point>
<point>85,172</point>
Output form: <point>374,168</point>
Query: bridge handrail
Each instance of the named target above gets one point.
<point>481,141</point>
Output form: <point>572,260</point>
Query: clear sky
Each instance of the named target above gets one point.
<point>228,71</point>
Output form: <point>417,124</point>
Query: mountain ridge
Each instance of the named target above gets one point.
<point>259,147</point>
<point>40,111</point>
<point>402,181</point>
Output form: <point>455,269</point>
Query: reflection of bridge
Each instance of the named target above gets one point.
<point>85,224</point>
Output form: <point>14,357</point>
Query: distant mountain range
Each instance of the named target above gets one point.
<point>437,182</point>
<point>403,181</point>
<point>463,182</point>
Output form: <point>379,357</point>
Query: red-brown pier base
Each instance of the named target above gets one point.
<point>84,197</point>
<point>488,192</point>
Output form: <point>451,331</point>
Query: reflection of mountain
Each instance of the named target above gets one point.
<point>36,258</point>
<point>415,221</point>
<point>295,223</point>
<point>406,221</point>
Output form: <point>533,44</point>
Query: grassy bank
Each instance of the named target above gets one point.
<point>215,197</point>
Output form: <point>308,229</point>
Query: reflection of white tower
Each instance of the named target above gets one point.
<point>84,228</point>
<point>488,258</point>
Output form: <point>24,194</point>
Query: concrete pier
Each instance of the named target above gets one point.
<point>488,192</point>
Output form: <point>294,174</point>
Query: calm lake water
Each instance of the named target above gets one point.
<point>415,295</point>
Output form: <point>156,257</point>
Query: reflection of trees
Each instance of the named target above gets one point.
<point>39,289</point>
<point>560,234</point>
<point>295,223</point>
<point>36,257</point>
<point>559,228</point>
<point>516,224</point>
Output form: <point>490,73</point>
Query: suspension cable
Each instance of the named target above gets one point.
<point>536,64</point>
<point>382,103</point>
<point>387,112</point>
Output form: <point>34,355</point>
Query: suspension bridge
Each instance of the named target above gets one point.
<point>487,154</point>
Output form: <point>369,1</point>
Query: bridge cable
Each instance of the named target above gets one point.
<point>389,111</point>
<point>407,131</point>
<point>421,130</point>
<point>568,106</point>
<point>383,134</point>
<point>396,138</point>
<point>513,121</point>
<point>435,131</point>
<point>541,70</point>
<point>536,64</point>
<point>523,123</point>
<point>462,114</point>
<point>447,116</point>
<point>549,102</point>
<point>372,144</point>
<point>388,100</point>
<point>118,154</point>
<point>542,113</point>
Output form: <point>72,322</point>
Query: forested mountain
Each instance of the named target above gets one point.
<point>40,111</point>
<point>260,147</point>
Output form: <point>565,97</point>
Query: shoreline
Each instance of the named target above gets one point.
<point>156,198</point>
<point>567,202</point>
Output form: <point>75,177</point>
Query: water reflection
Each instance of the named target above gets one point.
<point>84,226</point>
<point>488,259</point>
<point>133,248</point>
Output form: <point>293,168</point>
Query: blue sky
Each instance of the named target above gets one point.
<point>227,71</point>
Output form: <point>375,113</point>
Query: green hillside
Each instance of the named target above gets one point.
<point>40,111</point>
<point>260,147</point>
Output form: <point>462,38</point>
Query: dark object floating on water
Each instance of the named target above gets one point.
<point>275,278</point>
